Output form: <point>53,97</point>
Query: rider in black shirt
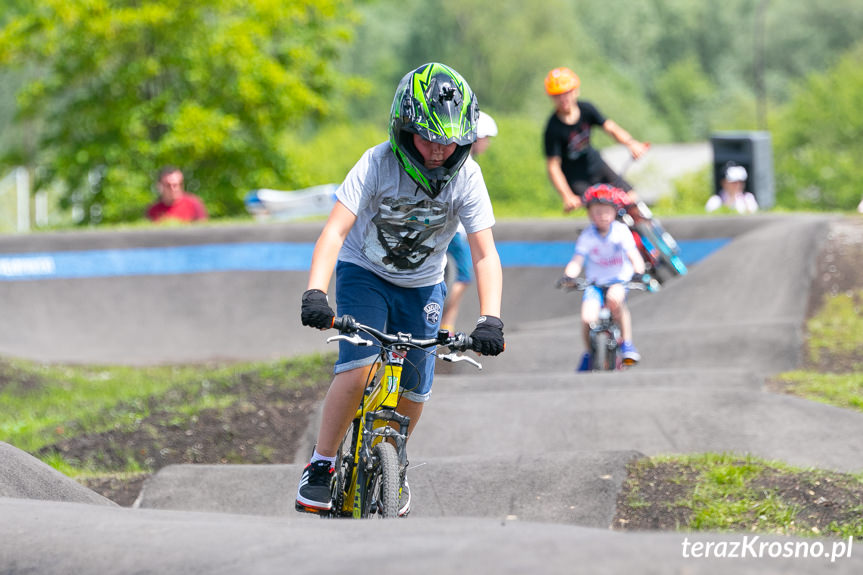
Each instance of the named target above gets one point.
<point>573,164</point>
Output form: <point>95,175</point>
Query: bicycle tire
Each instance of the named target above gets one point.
<point>666,255</point>
<point>601,359</point>
<point>344,466</point>
<point>381,498</point>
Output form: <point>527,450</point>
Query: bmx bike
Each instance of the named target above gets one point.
<point>604,336</point>
<point>657,247</point>
<point>371,463</point>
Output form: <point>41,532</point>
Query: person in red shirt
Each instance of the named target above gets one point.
<point>174,201</point>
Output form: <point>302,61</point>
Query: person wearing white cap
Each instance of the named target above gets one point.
<point>458,249</point>
<point>733,195</point>
<point>485,128</point>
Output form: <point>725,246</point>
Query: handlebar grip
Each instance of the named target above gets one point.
<point>345,323</point>
<point>462,342</point>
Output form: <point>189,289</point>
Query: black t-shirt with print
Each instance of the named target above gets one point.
<point>571,143</point>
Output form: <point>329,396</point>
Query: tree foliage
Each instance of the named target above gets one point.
<point>263,93</point>
<point>684,94</point>
<point>126,86</point>
<point>818,139</point>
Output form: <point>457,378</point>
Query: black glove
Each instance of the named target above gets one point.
<point>488,336</point>
<point>316,310</point>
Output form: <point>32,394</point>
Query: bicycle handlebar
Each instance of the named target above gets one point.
<point>456,342</point>
<point>571,284</point>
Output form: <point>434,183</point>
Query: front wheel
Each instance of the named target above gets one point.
<point>603,360</point>
<point>382,494</point>
<point>344,470</point>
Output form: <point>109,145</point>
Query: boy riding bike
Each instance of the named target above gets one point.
<point>573,164</point>
<point>607,252</point>
<point>387,235</point>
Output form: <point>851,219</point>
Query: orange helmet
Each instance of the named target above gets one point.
<point>561,81</point>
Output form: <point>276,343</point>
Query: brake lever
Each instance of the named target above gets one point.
<point>354,339</point>
<point>455,358</point>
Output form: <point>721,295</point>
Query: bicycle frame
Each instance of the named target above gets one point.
<point>371,425</point>
<point>658,248</point>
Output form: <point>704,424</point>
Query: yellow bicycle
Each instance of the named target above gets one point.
<point>372,462</point>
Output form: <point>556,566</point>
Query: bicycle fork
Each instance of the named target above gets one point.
<point>604,341</point>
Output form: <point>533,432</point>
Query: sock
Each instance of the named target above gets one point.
<point>318,457</point>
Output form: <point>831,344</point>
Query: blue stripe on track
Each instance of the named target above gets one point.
<point>255,257</point>
<point>553,254</point>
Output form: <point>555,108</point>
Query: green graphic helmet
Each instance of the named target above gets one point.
<point>435,102</point>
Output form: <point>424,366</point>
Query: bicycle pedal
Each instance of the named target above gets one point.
<point>304,509</point>
<point>629,362</point>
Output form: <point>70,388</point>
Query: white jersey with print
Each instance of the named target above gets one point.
<point>401,234</point>
<point>605,259</point>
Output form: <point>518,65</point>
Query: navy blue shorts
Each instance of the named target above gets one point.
<point>378,303</point>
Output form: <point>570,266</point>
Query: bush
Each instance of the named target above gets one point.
<point>819,140</point>
<point>514,170</point>
<point>689,195</point>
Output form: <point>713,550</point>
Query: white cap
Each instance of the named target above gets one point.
<point>736,174</point>
<point>485,126</point>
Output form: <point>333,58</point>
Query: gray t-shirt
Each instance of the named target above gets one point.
<point>401,234</point>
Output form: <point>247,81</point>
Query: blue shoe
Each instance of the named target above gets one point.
<point>585,363</point>
<point>629,354</point>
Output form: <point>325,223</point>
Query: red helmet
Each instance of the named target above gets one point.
<point>605,194</point>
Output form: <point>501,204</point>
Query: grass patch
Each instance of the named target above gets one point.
<point>43,405</point>
<point>834,373</point>
<point>730,493</point>
<point>835,333</point>
<point>839,389</point>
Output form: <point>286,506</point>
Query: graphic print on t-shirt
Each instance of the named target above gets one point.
<point>403,232</point>
<point>578,142</point>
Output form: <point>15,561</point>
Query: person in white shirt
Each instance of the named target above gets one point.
<point>733,194</point>
<point>607,252</point>
<point>458,250</point>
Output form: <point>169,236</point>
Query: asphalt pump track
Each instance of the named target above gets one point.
<point>515,468</point>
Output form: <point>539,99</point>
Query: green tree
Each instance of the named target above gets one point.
<point>818,139</point>
<point>126,86</point>
<point>684,93</point>
<point>501,48</point>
